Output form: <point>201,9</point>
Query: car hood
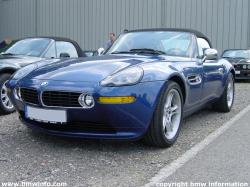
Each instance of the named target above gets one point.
<point>17,60</point>
<point>92,69</point>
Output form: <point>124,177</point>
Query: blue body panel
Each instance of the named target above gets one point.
<point>130,121</point>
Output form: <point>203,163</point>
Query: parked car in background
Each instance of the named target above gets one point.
<point>30,50</point>
<point>240,58</point>
<point>143,86</point>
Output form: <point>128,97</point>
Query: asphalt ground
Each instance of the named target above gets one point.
<point>225,160</point>
<point>35,157</point>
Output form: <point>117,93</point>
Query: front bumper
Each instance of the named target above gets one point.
<point>239,77</point>
<point>103,121</point>
<point>242,74</point>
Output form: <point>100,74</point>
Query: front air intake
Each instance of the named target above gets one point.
<point>29,95</point>
<point>61,99</point>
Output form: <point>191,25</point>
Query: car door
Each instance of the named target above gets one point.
<point>213,73</point>
<point>193,72</point>
<point>192,69</point>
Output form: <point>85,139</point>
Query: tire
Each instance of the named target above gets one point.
<point>6,106</point>
<point>157,134</point>
<point>223,104</point>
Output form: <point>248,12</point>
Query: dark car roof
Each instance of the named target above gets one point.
<point>195,32</point>
<point>50,37</point>
<point>236,50</point>
<point>78,48</point>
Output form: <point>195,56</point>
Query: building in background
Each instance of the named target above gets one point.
<point>225,22</point>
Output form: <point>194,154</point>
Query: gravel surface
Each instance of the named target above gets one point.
<point>34,157</point>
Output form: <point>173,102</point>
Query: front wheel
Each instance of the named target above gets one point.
<point>225,103</point>
<point>6,107</point>
<point>167,120</point>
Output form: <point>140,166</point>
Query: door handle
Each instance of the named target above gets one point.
<point>194,79</point>
<point>221,70</point>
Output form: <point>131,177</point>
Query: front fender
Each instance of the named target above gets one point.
<point>229,68</point>
<point>164,71</point>
<point>160,71</point>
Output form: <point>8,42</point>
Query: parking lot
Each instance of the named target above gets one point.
<point>29,156</point>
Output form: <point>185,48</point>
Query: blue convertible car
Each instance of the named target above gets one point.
<point>142,87</point>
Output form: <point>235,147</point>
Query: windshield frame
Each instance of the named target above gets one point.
<point>41,54</point>
<point>192,44</point>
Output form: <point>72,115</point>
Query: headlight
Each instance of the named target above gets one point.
<point>128,76</point>
<point>24,71</point>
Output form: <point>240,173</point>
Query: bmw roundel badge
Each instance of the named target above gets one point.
<point>44,83</point>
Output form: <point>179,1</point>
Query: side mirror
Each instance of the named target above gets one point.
<point>100,51</point>
<point>64,55</point>
<point>210,54</point>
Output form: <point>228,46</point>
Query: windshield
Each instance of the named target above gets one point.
<point>29,47</point>
<point>169,43</point>
<point>236,54</point>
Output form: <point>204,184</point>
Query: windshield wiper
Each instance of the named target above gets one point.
<point>140,50</point>
<point>9,54</point>
<point>121,52</point>
<point>148,50</point>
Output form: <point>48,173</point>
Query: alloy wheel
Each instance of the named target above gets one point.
<point>172,114</point>
<point>230,93</point>
<point>5,99</point>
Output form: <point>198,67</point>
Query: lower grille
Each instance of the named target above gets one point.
<point>73,126</point>
<point>61,99</point>
<point>79,127</point>
<point>29,95</point>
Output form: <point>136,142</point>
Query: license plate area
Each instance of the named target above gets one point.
<point>46,115</point>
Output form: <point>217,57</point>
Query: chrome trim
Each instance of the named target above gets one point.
<point>47,49</point>
<point>42,103</point>
<point>60,107</point>
<point>221,70</point>
<point>86,106</point>
<point>15,92</point>
<point>30,104</point>
<point>194,79</point>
